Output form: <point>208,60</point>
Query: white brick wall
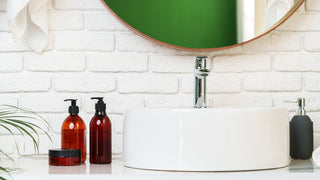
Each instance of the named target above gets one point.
<point>83,82</point>
<point>273,82</point>
<point>71,21</point>
<point>242,63</point>
<point>92,54</point>
<point>111,62</point>
<point>147,83</point>
<point>55,62</point>
<point>81,41</point>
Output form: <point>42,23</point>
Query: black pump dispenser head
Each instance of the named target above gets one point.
<point>73,109</point>
<point>100,105</point>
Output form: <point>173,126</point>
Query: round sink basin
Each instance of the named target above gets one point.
<point>217,139</point>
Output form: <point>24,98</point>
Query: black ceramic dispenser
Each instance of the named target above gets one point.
<point>301,134</point>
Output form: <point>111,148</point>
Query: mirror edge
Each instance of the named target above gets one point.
<point>281,21</point>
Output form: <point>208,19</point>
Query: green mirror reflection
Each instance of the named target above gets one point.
<point>202,24</point>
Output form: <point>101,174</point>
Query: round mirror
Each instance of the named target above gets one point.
<point>202,24</point>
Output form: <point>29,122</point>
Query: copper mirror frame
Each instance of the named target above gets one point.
<point>294,8</point>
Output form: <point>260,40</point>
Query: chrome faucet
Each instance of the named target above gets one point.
<point>200,74</point>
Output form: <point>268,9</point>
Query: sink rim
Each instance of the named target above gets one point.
<point>177,109</point>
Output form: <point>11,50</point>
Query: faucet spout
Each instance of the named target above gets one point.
<point>200,74</point>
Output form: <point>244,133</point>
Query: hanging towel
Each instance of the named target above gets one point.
<point>276,9</point>
<point>28,20</point>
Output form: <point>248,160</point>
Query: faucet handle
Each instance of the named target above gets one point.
<point>200,62</point>
<point>201,69</point>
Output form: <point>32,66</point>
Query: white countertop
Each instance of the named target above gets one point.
<point>37,168</point>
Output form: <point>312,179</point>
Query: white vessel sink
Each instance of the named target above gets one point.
<point>222,139</point>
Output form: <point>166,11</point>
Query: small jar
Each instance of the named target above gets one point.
<point>64,157</point>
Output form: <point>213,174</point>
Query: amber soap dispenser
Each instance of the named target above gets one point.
<point>73,131</point>
<point>100,135</point>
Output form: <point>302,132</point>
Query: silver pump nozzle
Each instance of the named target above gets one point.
<point>301,104</point>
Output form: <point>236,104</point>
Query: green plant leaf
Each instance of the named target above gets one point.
<point>12,117</point>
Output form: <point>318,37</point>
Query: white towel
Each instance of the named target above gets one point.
<point>276,9</point>
<point>29,21</point>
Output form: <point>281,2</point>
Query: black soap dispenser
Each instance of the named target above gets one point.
<point>301,134</point>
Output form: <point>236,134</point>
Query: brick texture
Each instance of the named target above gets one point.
<point>84,83</point>
<point>144,83</point>
<point>278,82</point>
<point>55,62</point>
<point>102,62</point>
<point>80,41</point>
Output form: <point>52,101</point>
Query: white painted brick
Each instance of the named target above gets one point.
<point>115,103</point>
<point>75,82</point>
<point>241,100</point>
<point>49,46</point>
<point>45,144</point>
<point>55,61</point>
<point>147,83</point>
<point>3,5</point>
<point>66,20</point>
<point>279,100</point>
<point>25,145</point>
<point>102,62</point>
<point>84,41</point>
<point>297,62</point>
<point>86,117</point>
<point>4,25</point>
<point>261,44</point>
<point>313,5</point>
<point>187,83</point>
<point>241,63</point>
<point>9,99</point>
<point>116,123</point>
<point>7,144</point>
<point>134,43</point>
<point>312,101</point>
<point>48,102</point>
<point>10,62</point>
<point>302,22</point>
<point>32,119</point>
<point>8,44</point>
<point>116,144</point>
<point>170,101</point>
<point>276,41</point>
<point>56,119</point>
<point>102,21</point>
<point>315,118</point>
<point>216,83</point>
<point>25,82</point>
<point>223,83</point>
<point>272,82</point>
<point>49,5</point>
<point>289,41</point>
<point>312,82</point>
<point>79,5</point>
<point>312,41</point>
<point>172,64</point>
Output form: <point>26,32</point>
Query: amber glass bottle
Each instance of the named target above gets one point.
<point>100,135</point>
<point>73,131</point>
